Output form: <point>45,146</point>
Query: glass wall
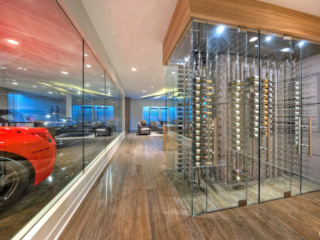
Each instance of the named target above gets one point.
<point>246,117</point>
<point>58,110</point>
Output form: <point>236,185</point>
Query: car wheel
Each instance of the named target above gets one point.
<point>16,180</point>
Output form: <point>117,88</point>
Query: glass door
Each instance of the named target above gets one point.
<point>279,83</point>
<point>310,124</point>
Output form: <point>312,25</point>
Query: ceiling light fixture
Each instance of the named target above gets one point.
<point>301,43</point>
<point>151,86</point>
<point>152,54</point>
<point>89,66</point>
<point>143,91</point>
<point>268,38</point>
<point>220,29</point>
<point>153,79</point>
<point>85,55</point>
<point>63,72</point>
<point>34,86</point>
<point>253,39</point>
<point>50,92</point>
<point>134,69</point>
<point>173,72</point>
<point>15,83</point>
<point>11,41</point>
<point>79,92</point>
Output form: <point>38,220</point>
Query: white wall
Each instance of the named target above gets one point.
<point>136,110</point>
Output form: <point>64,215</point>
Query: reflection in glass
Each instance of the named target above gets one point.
<point>40,77</point>
<point>53,120</point>
<point>94,109</point>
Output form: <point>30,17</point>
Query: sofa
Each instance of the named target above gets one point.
<point>142,130</point>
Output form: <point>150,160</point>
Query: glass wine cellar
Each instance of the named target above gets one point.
<point>244,126</point>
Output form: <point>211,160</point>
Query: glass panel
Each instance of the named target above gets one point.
<point>94,127</point>
<point>40,76</point>
<point>117,111</point>
<point>111,129</point>
<point>230,61</point>
<point>310,63</point>
<point>279,106</point>
<point>178,128</point>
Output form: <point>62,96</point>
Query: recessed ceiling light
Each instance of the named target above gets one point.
<point>34,86</point>
<point>79,92</point>
<point>50,92</point>
<point>186,59</point>
<point>89,66</point>
<point>253,39</point>
<point>11,41</point>
<point>134,69</point>
<point>151,86</point>
<point>220,29</point>
<point>63,72</point>
<point>268,38</point>
<point>173,72</point>
<point>15,83</point>
<point>85,55</point>
<point>143,91</point>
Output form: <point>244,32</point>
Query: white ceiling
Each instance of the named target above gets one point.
<point>307,6</point>
<point>132,30</point>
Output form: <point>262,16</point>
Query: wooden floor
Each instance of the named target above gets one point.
<point>135,199</point>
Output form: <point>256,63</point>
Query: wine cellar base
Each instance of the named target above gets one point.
<point>243,117</point>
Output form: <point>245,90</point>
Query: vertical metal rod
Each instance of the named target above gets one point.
<point>215,142</point>
<point>259,133</point>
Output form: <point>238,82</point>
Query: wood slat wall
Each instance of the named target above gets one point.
<point>246,13</point>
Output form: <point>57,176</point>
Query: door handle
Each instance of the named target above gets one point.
<point>310,137</point>
<point>299,135</point>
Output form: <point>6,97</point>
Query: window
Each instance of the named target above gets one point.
<point>99,112</point>
<point>164,114</point>
<point>150,114</point>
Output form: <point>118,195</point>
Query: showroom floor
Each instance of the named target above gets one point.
<point>135,199</point>
<point>68,163</point>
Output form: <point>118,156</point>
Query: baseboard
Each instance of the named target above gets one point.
<point>54,221</point>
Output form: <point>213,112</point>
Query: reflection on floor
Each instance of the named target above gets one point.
<point>134,199</point>
<point>220,196</point>
<point>68,164</point>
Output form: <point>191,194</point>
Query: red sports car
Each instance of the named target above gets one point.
<point>26,155</point>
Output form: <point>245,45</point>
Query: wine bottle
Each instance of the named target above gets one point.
<point>200,151</point>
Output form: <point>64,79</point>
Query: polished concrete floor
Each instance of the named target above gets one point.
<point>134,199</point>
<point>68,164</point>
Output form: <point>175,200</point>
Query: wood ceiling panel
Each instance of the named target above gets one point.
<point>246,13</point>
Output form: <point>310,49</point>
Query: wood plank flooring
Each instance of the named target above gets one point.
<point>135,199</point>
